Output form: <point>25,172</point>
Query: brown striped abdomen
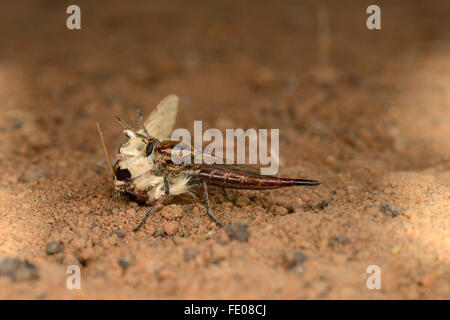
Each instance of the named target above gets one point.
<point>229,178</point>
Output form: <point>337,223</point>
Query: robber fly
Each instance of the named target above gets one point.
<point>144,168</point>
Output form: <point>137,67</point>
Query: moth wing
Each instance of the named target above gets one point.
<point>160,123</point>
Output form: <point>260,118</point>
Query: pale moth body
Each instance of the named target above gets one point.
<point>132,155</point>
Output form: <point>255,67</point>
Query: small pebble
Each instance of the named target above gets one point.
<point>396,249</point>
<point>294,259</point>
<point>238,231</point>
<point>159,233</point>
<point>17,270</point>
<point>209,234</point>
<point>330,160</point>
<point>53,247</point>
<point>125,262</point>
<point>342,239</point>
<point>389,209</point>
<point>131,211</point>
<point>119,234</point>
<point>339,240</point>
<point>279,210</point>
<point>171,227</point>
<point>172,212</point>
<point>305,198</point>
<point>324,204</point>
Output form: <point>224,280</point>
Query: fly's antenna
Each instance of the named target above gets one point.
<point>108,159</point>
<point>126,125</point>
<point>141,122</point>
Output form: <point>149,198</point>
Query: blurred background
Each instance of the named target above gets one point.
<point>365,111</point>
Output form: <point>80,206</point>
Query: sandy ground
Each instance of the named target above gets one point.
<point>366,112</point>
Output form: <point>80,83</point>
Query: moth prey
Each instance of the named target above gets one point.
<point>144,168</point>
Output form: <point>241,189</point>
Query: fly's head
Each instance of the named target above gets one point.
<point>135,160</point>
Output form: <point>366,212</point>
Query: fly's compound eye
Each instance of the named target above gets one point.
<point>149,149</point>
<point>123,174</point>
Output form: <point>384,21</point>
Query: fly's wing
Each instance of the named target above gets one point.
<point>168,147</point>
<point>213,161</point>
<point>160,123</point>
<point>243,168</point>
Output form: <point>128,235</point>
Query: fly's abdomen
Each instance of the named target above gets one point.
<point>238,180</point>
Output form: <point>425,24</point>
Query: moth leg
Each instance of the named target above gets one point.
<point>208,210</point>
<point>156,205</point>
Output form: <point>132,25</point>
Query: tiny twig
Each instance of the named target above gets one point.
<point>108,159</point>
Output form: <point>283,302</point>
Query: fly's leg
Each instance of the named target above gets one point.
<point>208,210</point>
<point>149,212</point>
<point>156,205</point>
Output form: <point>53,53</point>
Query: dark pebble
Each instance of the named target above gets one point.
<point>342,239</point>
<point>324,204</point>
<point>125,262</point>
<point>294,259</point>
<point>238,231</point>
<point>17,124</point>
<point>390,209</point>
<point>119,234</point>
<point>17,270</point>
<point>339,240</point>
<point>67,196</point>
<point>214,261</point>
<point>53,247</point>
<point>159,233</point>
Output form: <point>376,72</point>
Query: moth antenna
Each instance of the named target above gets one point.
<point>141,122</point>
<point>126,125</point>
<point>108,159</point>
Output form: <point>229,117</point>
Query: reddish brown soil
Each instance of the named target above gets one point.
<point>372,121</point>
